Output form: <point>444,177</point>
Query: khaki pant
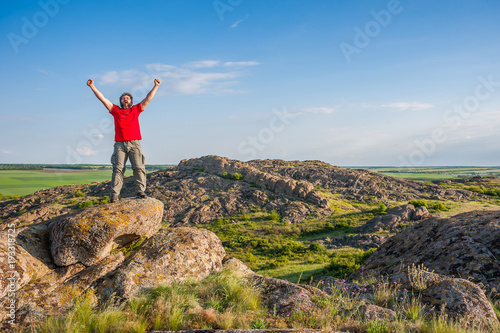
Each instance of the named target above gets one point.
<point>133,151</point>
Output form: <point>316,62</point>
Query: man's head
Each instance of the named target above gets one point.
<point>126,100</point>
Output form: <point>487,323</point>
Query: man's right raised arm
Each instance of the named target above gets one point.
<point>100,96</point>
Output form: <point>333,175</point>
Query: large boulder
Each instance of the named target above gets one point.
<point>466,246</point>
<point>171,255</point>
<point>461,299</point>
<point>89,235</point>
<point>394,217</point>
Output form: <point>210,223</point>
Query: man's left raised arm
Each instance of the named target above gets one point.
<point>150,95</point>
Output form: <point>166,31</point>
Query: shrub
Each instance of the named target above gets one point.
<point>88,203</point>
<point>316,247</point>
<point>274,216</point>
<point>439,207</point>
<point>9,197</point>
<point>79,194</point>
<point>342,225</point>
<point>237,176</point>
<point>381,208</point>
<point>345,263</point>
<point>418,203</point>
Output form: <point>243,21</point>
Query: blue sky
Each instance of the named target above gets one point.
<point>352,83</point>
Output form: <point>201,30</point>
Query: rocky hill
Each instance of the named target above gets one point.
<point>60,242</point>
<point>204,189</point>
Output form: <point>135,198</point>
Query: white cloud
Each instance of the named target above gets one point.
<point>86,151</point>
<point>47,73</point>
<point>319,110</point>
<point>313,110</point>
<point>235,24</point>
<point>203,64</point>
<point>400,106</point>
<point>242,63</point>
<point>216,77</point>
<point>5,151</point>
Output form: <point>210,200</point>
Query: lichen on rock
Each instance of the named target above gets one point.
<point>88,236</point>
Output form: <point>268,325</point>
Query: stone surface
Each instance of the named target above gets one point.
<point>460,299</point>
<point>375,312</point>
<point>89,236</point>
<point>172,254</point>
<point>363,241</point>
<point>394,217</point>
<point>421,213</point>
<point>466,245</point>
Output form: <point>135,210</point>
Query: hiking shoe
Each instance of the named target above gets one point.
<point>114,198</point>
<point>141,195</point>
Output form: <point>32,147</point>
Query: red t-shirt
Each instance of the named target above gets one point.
<point>127,122</point>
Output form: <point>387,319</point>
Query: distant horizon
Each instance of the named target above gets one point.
<point>342,166</point>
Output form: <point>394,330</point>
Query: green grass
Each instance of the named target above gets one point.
<point>435,173</point>
<point>226,300</point>
<point>419,176</point>
<point>223,300</point>
<point>23,182</point>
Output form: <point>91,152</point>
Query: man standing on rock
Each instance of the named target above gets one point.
<point>127,136</point>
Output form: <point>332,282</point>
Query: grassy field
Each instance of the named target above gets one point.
<point>434,173</point>
<point>24,182</point>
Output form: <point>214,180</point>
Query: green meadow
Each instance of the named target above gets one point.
<point>435,173</point>
<point>23,182</point>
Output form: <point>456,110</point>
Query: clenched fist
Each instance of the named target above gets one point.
<point>157,82</point>
<point>90,82</point>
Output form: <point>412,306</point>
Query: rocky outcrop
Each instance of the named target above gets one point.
<point>170,255</point>
<point>199,191</point>
<point>359,184</point>
<point>363,241</point>
<point>89,236</point>
<point>394,217</point>
<point>466,246</point>
<point>41,287</point>
<point>287,187</point>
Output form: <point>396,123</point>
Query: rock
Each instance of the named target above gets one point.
<point>88,236</point>
<point>379,223</point>
<point>461,299</point>
<point>171,255</point>
<point>393,218</point>
<point>363,241</point>
<point>466,245</point>
<point>421,213</point>
<point>23,254</point>
<point>405,212</point>
<point>374,312</point>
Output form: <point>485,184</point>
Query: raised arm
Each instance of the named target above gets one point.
<point>100,96</point>
<point>150,95</point>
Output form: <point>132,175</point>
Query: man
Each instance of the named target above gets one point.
<point>127,136</point>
